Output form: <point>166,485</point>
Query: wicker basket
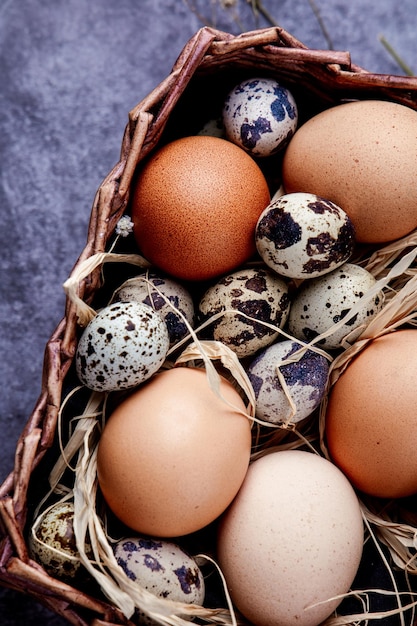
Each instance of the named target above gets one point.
<point>208,65</point>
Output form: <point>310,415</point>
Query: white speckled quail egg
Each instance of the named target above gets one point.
<point>301,235</point>
<point>322,302</point>
<point>161,567</point>
<point>165,295</point>
<point>122,346</point>
<point>255,292</point>
<point>52,542</point>
<point>305,379</point>
<point>260,116</point>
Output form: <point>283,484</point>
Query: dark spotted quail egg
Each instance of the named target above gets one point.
<point>322,302</point>
<point>301,235</point>
<point>161,567</point>
<point>254,292</point>
<point>165,295</point>
<point>52,542</point>
<point>298,392</point>
<point>260,116</point>
<point>122,346</point>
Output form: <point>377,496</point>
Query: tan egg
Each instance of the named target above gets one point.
<point>195,207</point>
<point>362,156</point>
<point>371,425</point>
<point>173,455</point>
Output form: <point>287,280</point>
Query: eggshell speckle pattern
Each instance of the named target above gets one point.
<point>301,235</point>
<point>52,542</point>
<point>162,568</point>
<point>292,537</point>
<point>305,380</point>
<point>260,116</point>
<point>255,292</point>
<point>325,301</point>
<point>195,205</point>
<point>166,296</point>
<point>122,346</point>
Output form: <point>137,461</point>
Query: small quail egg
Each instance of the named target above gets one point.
<point>255,292</point>
<point>122,346</point>
<point>161,567</point>
<point>52,542</point>
<point>260,116</point>
<point>301,235</point>
<point>305,379</point>
<point>164,295</point>
<point>322,302</point>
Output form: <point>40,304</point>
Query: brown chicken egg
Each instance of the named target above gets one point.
<point>195,206</point>
<point>173,455</point>
<point>371,425</point>
<point>362,156</point>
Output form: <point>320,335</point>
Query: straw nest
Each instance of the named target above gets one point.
<point>55,454</point>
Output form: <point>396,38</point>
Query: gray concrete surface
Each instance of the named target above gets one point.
<point>70,71</point>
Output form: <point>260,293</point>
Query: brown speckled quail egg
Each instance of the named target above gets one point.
<point>301,235</point>
<point>161,567</point>
<point>165,295</point>
<point>52,542</point>
<point>260,116</point>
<point>256,292</point>
<point>122,346</point>
<point>322,302</point>
<point>305,379</point>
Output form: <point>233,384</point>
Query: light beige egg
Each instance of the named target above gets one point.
<point>361,155</point>
<point>292,538</point>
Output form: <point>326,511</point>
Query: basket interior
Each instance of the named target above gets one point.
<point>316,85</point>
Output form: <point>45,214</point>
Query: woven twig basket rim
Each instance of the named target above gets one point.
<point>329,73</point>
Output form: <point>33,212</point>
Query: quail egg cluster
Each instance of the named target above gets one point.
<point>283,297</point>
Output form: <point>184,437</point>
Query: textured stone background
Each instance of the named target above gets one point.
<point>70,71</point>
